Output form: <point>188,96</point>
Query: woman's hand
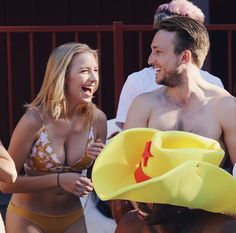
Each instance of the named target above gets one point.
<point>94,149</point>
<point>75,183</point>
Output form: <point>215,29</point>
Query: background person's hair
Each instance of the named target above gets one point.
<point>51,96</point>
<point>190,35</point>
<point>177,7</point>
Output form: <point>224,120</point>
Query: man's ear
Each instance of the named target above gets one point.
<point>186,56</point>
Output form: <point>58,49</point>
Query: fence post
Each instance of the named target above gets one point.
<point>118,30</point>
<point>10,85</point>
<point>230,62</point>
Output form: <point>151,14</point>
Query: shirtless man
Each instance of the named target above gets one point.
<point>144,80</point>
<point>186,101</point>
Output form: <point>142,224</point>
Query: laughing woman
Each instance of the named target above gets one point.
<point>60,135</point>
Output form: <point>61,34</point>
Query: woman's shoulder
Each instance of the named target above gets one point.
<point>28,126</point>
<point>99,125</point>
<point>32,118</point>
<point>100,116</point>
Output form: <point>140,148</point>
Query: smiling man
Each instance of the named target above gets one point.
<point>143,81</point>
<point>186,101</point>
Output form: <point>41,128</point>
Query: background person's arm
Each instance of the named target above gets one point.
<point>7,167</point>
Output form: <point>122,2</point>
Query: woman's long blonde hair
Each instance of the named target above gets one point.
<point>51,97</point>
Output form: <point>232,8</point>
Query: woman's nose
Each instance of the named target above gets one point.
<point>94,76</point>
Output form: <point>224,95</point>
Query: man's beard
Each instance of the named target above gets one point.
<point>171,80</point>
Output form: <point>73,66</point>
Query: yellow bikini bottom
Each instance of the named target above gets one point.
<point>49,223</point>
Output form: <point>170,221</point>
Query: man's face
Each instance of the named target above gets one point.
<point>164,60</point>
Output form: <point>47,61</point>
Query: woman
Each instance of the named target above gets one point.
<point>7,173</point>
<point>60,135</point>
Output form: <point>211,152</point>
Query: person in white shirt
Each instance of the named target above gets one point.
<point>144,80</point>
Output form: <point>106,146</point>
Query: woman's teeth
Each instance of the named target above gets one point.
<point>87,89</point>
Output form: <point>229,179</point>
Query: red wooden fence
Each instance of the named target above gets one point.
<point>24,51</point>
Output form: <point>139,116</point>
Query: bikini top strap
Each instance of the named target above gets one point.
<point>91,133</point>
<point>40,115</point>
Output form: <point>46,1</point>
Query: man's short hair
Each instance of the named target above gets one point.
<point>190,35</point>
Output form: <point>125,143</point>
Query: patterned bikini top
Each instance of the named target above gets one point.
<point>43,159</point>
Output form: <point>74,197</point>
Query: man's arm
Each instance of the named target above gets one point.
<point>139,112</point>
<point>227,108</point>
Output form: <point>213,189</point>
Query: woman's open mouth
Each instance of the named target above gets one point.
<point>88,90</point>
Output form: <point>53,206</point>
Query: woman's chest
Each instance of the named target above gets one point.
<point>68,143</point>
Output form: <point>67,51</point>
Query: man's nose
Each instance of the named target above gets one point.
<point>150,59</point>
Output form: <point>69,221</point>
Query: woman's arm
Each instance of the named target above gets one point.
<point>100,134</point>
<point>100,126</point>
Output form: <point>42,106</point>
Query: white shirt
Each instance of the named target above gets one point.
<point>145,81</point>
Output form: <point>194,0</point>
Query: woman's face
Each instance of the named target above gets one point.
<point>82,79</point>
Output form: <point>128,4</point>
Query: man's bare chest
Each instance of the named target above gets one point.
<point>201,121</point>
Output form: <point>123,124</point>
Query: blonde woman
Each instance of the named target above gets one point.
<point>61,134</point>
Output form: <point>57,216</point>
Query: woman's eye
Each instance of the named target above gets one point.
<point>84,71</point>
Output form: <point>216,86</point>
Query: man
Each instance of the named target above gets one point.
<point>144,80</point>
<point>186,101</point>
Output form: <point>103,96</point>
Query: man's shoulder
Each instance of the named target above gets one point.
<point>151,95</point>
<point>225,104</point>
<point>227,99</point>
<point>220,98</point>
